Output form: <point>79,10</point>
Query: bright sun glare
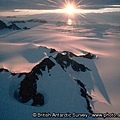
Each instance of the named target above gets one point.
<point>70,9</point>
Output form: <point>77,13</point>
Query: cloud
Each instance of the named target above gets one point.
<point>21,4</point>
<point>100,2</point>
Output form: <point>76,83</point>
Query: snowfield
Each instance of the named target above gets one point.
<point>72,84</point>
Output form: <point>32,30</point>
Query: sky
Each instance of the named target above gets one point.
<point>48,4</point>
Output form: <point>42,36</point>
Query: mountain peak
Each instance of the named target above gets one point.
<point>2,25</point>
<point>57,77</point>
<point>14,27</point>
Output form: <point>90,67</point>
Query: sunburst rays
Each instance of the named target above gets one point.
<point>69,11</point>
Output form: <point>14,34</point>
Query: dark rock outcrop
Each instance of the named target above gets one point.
<point>21,74</point>
<point>37,20</point>
<point>84,94</point>
<point>42,65</point>
<point>52,50</point>
<point>64,60</point>
<point>2,25</point>
<point>17,21</point>
<point>28,87</point>
<point>88,55</point>
<point>38,99</point>
<point>4,69</point>
<point>14,27</point>
<point>26,28</point>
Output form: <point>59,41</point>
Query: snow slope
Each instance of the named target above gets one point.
<point>22,50</point>
<point>60,90</point>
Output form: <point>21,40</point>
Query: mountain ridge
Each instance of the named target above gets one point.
<point>12,26</point>
<point>28,86</point>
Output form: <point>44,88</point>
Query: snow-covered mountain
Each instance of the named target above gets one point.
<point>19,24</point>
<point>49,71</point>
<point>50,84</point>
<point>55,65</point>
<point>12,26</point>
<point>2,25</point>
<point>59,83</point>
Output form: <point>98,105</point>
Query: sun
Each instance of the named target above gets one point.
<point>70,9</point>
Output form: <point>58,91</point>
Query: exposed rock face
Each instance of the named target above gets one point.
<point>85,94</point>
<point>38,99</point>
<point>2,25</point>
<point>89,56</point>
<point>52,50</point>
<point>14,27</point>
<point>42,65</point>
<point>65,61</point>
<point>37,20</point>
<point>3,69</point>
<point>20,21</point>
<point>26,28</point>
<point>28,86</point>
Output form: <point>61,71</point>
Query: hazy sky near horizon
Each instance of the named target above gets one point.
<point>48,4</point>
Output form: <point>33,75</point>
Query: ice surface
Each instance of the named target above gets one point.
<point>21,50</point>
